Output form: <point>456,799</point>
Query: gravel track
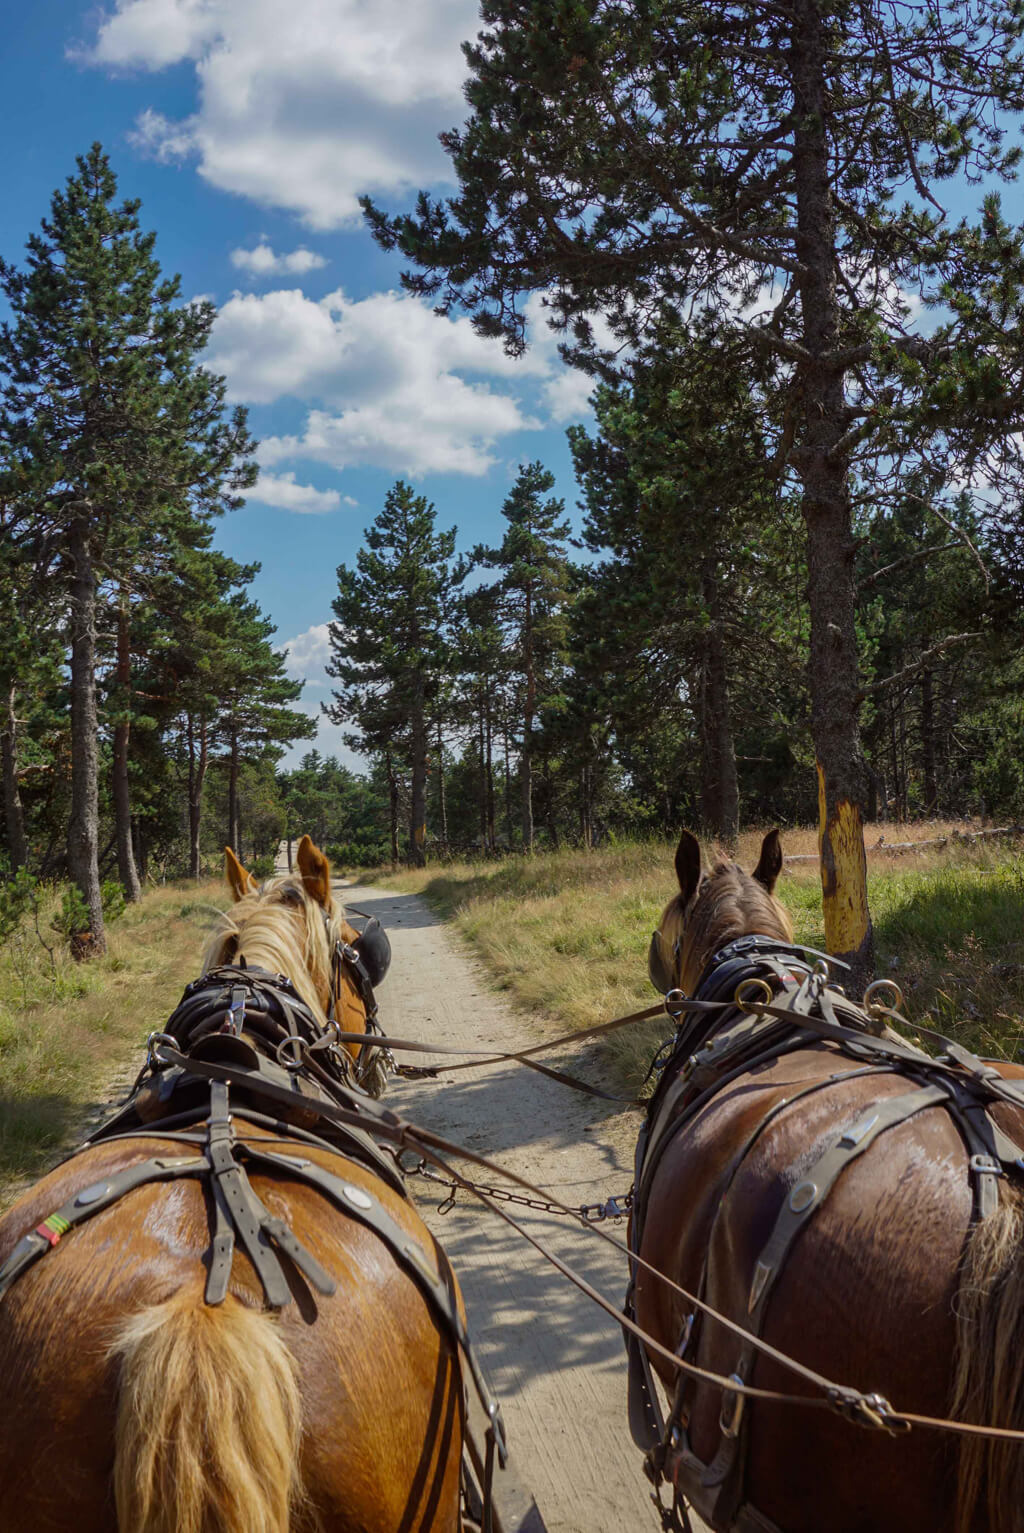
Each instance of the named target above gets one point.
<point>555,1359</point>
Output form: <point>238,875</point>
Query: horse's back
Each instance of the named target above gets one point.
<point>379,1382</point>
<point>863,1295</point>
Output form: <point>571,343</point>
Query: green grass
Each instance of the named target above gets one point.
<point>66,1027</point>
<point>565,934</point>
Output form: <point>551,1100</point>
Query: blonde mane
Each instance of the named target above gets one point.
<point>730,904</point>
<point>279,928</point>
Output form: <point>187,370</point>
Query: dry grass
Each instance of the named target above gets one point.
<point>566,933</point>
<point>67,1028</point>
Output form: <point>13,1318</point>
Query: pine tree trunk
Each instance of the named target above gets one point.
<point>824,467</point>
<point>931,785</point>
<point>122,788</point>
<point>197,764</point>
<point>442,802</point>
<point>492,835</point>
<point>234,822</point>
<point>529,709</point>
<point>14,814</point>
<point>418,790</point>
<point>481,756</point>
<point>508,792</point>
<point>720,797</point>
<point>393,807</point>
<point>83,827</point>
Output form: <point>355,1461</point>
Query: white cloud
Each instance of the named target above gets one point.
<point>307,657</point>
<point>282,491</point>
<point>302,105</point>
<point>390,383</point>
<point>567,395</point>
<point>262,261</point>
<point>308,654</point>
<point>162,139</point>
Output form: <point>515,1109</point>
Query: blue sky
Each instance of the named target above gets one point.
<point>248,128</point>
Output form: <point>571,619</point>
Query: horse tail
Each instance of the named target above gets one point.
<point>989,1379</point>
<point>208,1420</point>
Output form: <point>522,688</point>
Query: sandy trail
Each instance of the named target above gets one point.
<point>555,1359</point>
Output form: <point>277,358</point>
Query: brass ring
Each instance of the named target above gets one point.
<point>748,1003</point>
<point>876,987</point>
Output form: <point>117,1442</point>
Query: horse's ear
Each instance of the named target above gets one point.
<point>688,866</point>
<point>240,882</point>
<point>316,872</point>
<point>769,864</point>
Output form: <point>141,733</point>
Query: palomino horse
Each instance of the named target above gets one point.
<point>147,1387</point>
<point>825,1185</point>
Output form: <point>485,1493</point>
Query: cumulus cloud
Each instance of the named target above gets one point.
<point>282,491</point>
<point>305,105</point>
<point>390,383</point>
<point>307,655</point>
<point>262,261</point>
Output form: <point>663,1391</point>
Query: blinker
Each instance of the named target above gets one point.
<point>374,949</point>
<point>661,972</point>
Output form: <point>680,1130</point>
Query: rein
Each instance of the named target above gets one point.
<point>867,1408</point>
<point>477,1058</point>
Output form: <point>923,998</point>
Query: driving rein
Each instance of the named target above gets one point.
<point>759,999</point>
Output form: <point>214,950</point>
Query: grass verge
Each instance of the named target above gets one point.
<point>565,934</point>
<point>66,1028</point>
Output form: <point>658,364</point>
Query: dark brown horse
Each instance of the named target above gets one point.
<point>129,1403</point>
<point>895,1281</point>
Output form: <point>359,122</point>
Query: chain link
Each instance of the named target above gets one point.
<point>590,1213</point>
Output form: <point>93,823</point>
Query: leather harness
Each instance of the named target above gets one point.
<point>243,1047</point>
<point>722,1033</point>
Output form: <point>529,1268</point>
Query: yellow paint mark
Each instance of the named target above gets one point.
<point>420,834</point>
<point>844,872</point>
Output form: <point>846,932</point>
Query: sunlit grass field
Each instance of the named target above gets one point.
<point>66,1028</point>
<point>565,934</point>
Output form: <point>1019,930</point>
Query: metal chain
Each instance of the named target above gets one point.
<point>588,1213</point>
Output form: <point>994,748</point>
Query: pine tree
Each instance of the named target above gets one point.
<point>679,490</point>
<point>780,163</point>
<point>253,691</point>
<point>534,590</point>
<point>110,432</point>
<point>388,640</point>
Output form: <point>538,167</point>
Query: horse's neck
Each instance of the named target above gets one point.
<point>258,954</point>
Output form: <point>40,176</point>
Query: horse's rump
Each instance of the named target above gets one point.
<point>378,1379</point>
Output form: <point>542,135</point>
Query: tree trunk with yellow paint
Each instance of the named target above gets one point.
<point>822,457</point>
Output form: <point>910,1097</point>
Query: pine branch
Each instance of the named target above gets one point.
<point>917,665</point>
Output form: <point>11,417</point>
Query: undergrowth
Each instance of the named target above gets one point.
<point>65,1027</point>
<point>566,933</point>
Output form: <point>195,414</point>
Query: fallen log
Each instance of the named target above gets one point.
<point>882,845</point>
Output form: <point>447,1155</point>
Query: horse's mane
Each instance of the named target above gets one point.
<point>730,904</point>
<point>283,930</point>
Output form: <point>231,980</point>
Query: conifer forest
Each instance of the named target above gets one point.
<point>789,589</point>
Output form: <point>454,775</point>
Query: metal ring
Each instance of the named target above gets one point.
<point>294,1061</point>
<point>748,1003</point>
<point>152,1047</point>
<point>675,1000</point>
<point>879,985</point>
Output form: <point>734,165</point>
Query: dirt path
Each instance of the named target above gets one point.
<point>556,1361</point>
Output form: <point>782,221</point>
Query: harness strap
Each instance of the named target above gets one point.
<point>93,1200</point>
<point>357,1138</point>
